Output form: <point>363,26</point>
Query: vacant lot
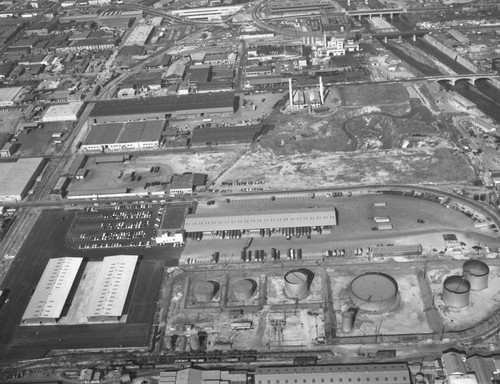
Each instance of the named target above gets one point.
<point>374,94</point>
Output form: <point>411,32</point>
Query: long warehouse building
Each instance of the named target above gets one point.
<point>388,373</point>
<point>131,136</point>
<point>274,220</point>
<point>107,300</point>
<point>17,177</point>
<point>52,291</point>
<point>164,107</point>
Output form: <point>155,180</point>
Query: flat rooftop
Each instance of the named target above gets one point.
<point>163,104</point>
<point>53,288</point>
<point>111,286</point>
<point>283,218</point>
<point>15,175</point>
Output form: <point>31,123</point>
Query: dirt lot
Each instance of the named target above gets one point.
<point>374,94</point>
<point>378,135</point>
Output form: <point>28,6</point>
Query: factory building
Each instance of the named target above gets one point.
<point>388,373</point>
<point>207,13</point>
<point>199,376</point>
<point>299,7</point>
<point>131,136</point>
<point>287,222</point>
<point>139,36</point>
<point>9,96</point>
<point>170,229</point>
<point>17,177</point>
<point>52,291</point>
<point>63,112</point>
<point>107,300</point>
<point>186,183</point>
<point>164,107</point>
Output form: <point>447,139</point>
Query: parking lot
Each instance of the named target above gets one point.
<point>118,226</point>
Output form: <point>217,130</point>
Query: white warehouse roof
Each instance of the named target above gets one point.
<point>284,218</point>
<point>53,289</point>
<point>63,112</point>
<point>111,287</point>
<point>8,95</point>
<point>16,176</point>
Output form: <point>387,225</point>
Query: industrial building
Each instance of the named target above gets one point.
<point>165,107</point>
<point>255,221</point>
<point>312,98</point>
<point>17,177</point>
<point>207,13</point>
<point>186,183</point>
<point>226,135</point>
<point>52,291</point>
<point>170,230</point>
<point>131,136</point>
<point>139,36</point>
<point>389,373</point>
<point>9,96</point>
<point>198,376</point>
<point>107,300</point>
<point>63,112</point>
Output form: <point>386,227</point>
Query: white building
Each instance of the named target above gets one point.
<point>9,95</point>
<point>139,36</point>
<point>63,112</point>
<point>107,299</point>
<point>17,177</point>
<point>170,237</point>
<point>52,291</point>
<point>130,136</point>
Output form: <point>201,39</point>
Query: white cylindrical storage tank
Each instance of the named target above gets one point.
<point>477,273</point>
<point>374,291</point>
<point>347,321</point>
<point>456,291</point>
<point>297,283</point>
<point>205,291</point>
<point>244,289</point>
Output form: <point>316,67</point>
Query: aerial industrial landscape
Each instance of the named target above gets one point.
<point>250,192</point>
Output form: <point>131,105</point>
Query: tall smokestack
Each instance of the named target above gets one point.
<point>290,90</point>
<point>324,39</point>
<point>321,90</point>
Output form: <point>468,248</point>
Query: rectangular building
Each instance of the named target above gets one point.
<point>17,177</point>
<point>52,291</point>
<point>63,112</point>
<point>254,220</point>
<point>164,107</point>
<point>393,373</point>
<point>9,96</point>
<point>131,136</point>
<point>111,287</point>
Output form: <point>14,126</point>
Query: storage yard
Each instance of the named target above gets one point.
<point>279,307</point>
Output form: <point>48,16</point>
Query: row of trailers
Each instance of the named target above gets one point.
<point>260,255</point>
<point>263,232</point>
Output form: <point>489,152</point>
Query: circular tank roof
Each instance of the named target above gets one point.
<point>205,290</point>
<point>476,268</point>
<point>374,287</point>
<point>296,277</point>
<point>456,284</point>
<point>244,289</point>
